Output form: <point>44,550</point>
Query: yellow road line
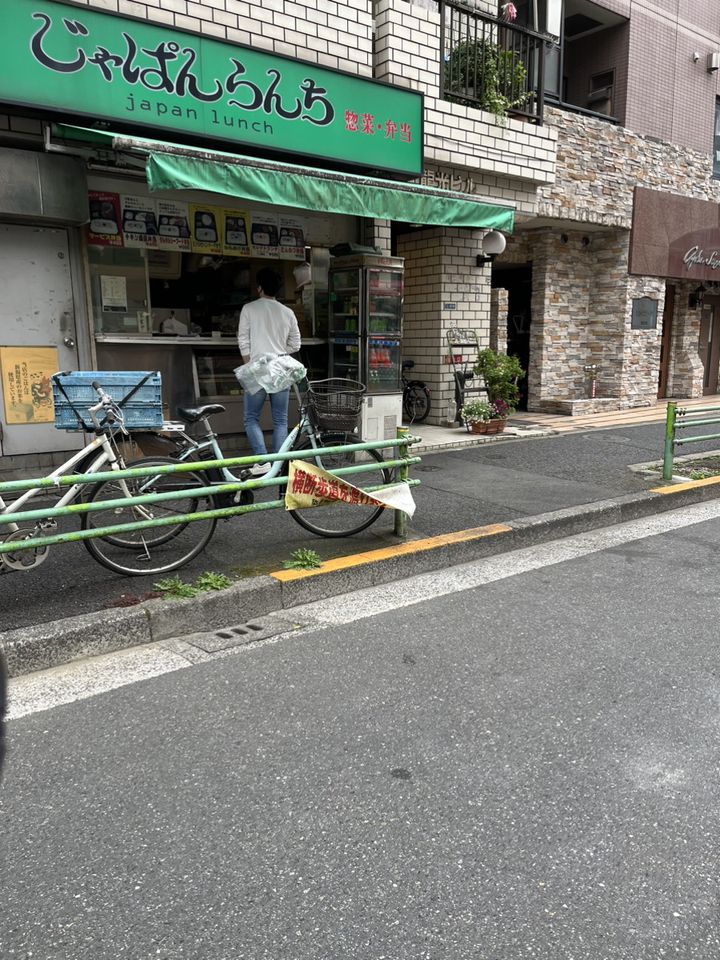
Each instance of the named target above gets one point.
<point>688,485</point>
<point>401,549</point>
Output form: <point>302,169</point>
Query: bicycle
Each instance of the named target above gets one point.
<point>416,396</point>
<point>328,418</point>
<point>153,551</point>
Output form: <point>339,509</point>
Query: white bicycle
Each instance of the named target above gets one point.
<point>150,550</point>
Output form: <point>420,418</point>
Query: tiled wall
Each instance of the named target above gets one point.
<point>444,288</point>
<point>407,53</point>
<point>337,35</point>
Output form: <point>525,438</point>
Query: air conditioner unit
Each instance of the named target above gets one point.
<point>380,417</point>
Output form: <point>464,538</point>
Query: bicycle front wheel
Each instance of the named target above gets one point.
<point>154,549</point>
<point>416,402</point>
<point>343,519</point>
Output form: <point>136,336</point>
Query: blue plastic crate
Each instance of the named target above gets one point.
<point>142,411</point>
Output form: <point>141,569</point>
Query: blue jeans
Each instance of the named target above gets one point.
<point>254,403</point>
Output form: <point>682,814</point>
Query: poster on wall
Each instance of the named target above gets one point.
<point>113,293</point>
<point>292,239</point>
<point>264,231</point>
<point>26,385</point>
<point>104,226</point>
<point>139,221</point>
<point>205,222</point>
<point>235,233</point>
<point>173,225</point>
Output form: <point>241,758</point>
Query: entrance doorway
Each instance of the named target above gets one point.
<point>518,283</point>
<point>37,310</point>
<point>665,342</point>
<point>709,344</point>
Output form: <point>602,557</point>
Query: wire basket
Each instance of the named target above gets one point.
<point>335,404</point>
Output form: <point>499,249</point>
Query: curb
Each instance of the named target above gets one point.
<point>47,645</point>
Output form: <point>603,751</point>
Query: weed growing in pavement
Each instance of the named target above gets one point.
<point>700,474</point>
<point>303,559</point>
<point>175,587</point>
<point>212,581</point>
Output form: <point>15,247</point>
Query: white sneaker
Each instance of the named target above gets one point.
<point>260,469</point>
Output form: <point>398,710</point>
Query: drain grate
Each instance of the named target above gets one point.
<point>236,636</point>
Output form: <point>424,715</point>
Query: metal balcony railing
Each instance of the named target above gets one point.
<point>490,64</point>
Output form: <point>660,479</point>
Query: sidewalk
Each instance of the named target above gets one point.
<point>545,478</point>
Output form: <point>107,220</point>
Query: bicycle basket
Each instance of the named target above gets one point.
<point>335,404</point>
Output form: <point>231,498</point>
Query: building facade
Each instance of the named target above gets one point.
<point>72,168</point>
<point>612,282</point>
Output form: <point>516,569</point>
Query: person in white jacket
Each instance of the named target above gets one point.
<point>266,327</point>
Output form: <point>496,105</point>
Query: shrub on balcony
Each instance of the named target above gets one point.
<point>479,73</point>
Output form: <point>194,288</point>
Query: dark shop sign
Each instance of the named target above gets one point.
<point>83,62</point>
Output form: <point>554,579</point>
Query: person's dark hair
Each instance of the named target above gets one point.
<point>269,281</point>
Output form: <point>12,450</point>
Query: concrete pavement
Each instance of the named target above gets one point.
<point>547,477</point>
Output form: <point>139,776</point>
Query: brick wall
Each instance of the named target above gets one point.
<point>444,288</point>
<point>407,53</point>
<point>337,35</point>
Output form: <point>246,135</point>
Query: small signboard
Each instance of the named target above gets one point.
<point>644,314</point>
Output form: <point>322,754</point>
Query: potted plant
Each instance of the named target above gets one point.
<point>480,73</point>
<point>501,374</point>
<point>483,416</point>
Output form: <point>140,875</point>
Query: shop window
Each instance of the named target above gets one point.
<point>119,282</point>
<point>716,141</point>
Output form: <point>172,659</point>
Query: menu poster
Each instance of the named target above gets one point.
<point>292,239</point>
<point>113,291</point>
<point>139,221</point>
<point>173,225</point>
<point>26,384</point>
<point>104,226</point>
<point>264,237</point>
<point>205,223</point>
<point>236,233</point>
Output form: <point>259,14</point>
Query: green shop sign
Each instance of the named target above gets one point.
<point>86,63</point>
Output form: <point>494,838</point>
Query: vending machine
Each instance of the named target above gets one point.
<point>365,334</point>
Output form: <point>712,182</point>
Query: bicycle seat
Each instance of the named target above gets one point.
<point>408,364</point>
<point>193,414</point>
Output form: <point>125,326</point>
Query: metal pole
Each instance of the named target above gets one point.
<point>403,433</point>
<point>669,441</point>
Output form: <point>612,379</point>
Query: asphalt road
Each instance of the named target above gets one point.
<point>524,768</point>
<point>459,489</point>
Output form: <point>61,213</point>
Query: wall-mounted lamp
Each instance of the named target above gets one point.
<point>713,62</point>
<point>695,57</point>
<point>493,244</point>
<point>696,298</point>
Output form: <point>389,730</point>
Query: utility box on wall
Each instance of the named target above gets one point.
<point>381,416</point>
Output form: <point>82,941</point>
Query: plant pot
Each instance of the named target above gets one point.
<point>488,426</point>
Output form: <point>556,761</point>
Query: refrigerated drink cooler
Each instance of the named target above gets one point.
<point>365,334</point>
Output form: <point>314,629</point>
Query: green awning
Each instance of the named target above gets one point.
<point>176,167</point>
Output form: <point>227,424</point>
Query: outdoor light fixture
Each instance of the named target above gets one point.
<point>713,62</point>
<point>696,298</point>
<point>493,244</point>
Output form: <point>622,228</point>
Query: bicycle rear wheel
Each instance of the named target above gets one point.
<point>416,402</point>
<point>152,550</point>
<point>343,519</point>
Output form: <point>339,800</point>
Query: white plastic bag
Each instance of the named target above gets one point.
<point>270,373</point>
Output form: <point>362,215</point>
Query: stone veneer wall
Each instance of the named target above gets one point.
<point>443,288</point>
<point>582,294</point>
<point>599,164</point>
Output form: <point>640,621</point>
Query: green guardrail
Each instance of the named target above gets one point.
<point>402,463</point>
<point>682,418</point>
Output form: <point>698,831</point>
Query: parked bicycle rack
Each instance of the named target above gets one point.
<point>464,348</point>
